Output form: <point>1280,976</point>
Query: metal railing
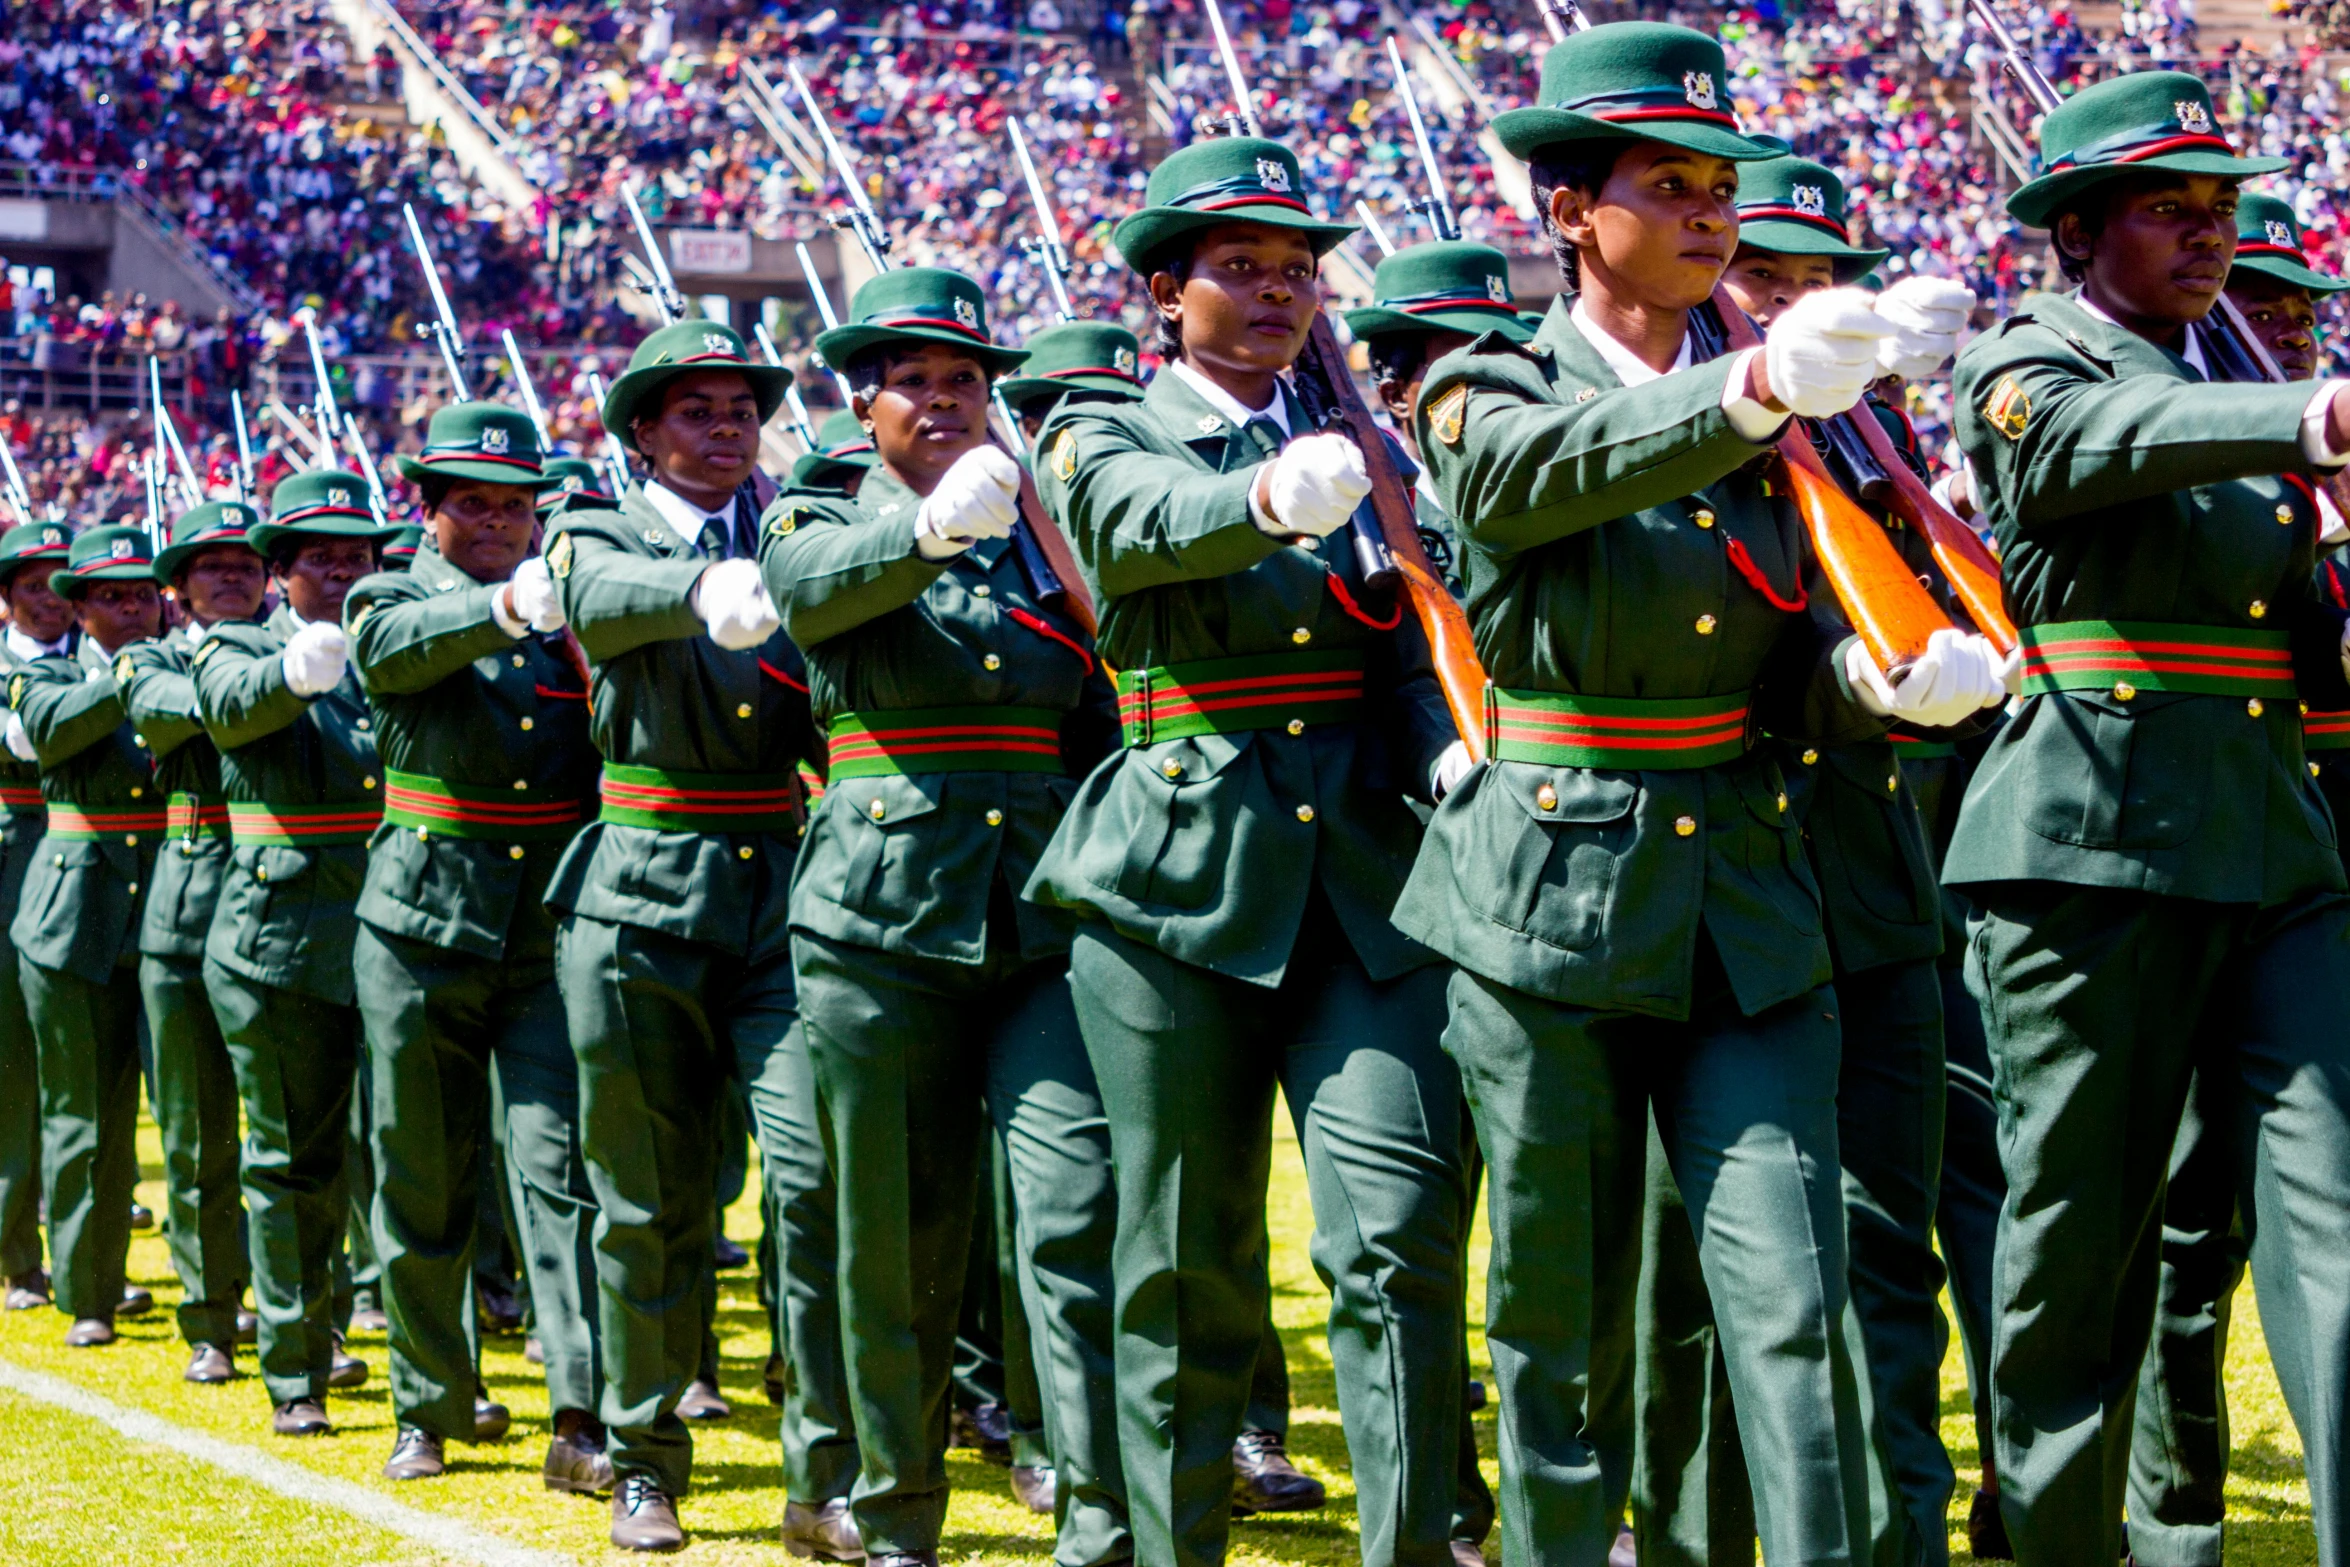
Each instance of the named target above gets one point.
<point>51,373</point>
<point>449,83</point>
<point>47,182</point>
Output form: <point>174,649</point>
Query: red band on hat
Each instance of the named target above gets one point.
<point>971,332</point>
<point>729,355</point>
<point>1465,302</point>
<point>292,517</point>
<point>2264,248</point>
<point>1817,220</point>
<point>1255,200</point>
<point>429,458</point>
<point>1711,116</point>
<point>1055,375</point>
<point>2155,149</point>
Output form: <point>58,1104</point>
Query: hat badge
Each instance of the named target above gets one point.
<point>1273,176</point>
<point>338,496</point>
<point>52,536</point>
<point>2194,118</point>
<point>493,440</point>
<point>966,312</point>
<point>716,343</point>
<point>120,549</point>
<point>1698,88</point>
<point>1122,360</point>
<point>571,484</point>
<point>1497,289</point>
<point>1811,200</point>
<point>2280,232</point>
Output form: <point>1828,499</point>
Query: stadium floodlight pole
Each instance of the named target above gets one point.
<point>1436,205</point>
<point>236,408</point>
<point>824,312</point>
<point>1371,223</point>
<point>444,332</point>
<point>530,393</point>
<point>615,455</point>
<point>665,292</point>
<point>1046,247</point>
<point>861,219</point>
<point>1243,120</point>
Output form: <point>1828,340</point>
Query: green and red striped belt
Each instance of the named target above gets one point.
<point>811,786</point>
<point>1216,696</point>
<point>698,802</point>
<point>303,826</point>
<point>878,743</point>
<point>2325,731</point>
<point>1920,748</point>
<point>1664,734</point>
<point>2130,656</point>
<point>197,816</point>
<point>22,799</point>
<point>434,805</point>
<point>105,823</point>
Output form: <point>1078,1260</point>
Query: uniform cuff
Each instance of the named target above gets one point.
<point>2314,444</point>
<point>1749,418</point>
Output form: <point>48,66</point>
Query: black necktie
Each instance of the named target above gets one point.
<point>1264,434</point>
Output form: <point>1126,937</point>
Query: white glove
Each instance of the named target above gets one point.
<point>2011,669</point>
<point>314,659</point>
<point>1822,354</point>
<point>530,597</point>
<point>20,744</point>
<point>978,498</point>
<point>1450,769</point>
<point>1314,485</point>
<point>1956,677</point>
<point>732,600</point>
<point>1927,314</point>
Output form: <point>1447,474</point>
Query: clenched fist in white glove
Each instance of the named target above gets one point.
<point>315,657</point>
<point>978,498</point>
<point>1451,767</point>
<point>1312,487</point>
<point>1822,354</point>
<point>20,744</point>
<point>732,600</point>
<point>1956,677</point>
<point>1927,314</point>
<point>530,598</point>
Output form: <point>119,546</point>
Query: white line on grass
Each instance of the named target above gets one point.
<point>446,1535</point>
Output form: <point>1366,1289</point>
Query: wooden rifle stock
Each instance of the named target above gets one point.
<point>1451,649</point>
<point>1972,570</point>
<point>1883,600</point>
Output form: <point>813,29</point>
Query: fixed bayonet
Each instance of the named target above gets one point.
<point>824,313</point>
<point>1046,247</point>
<point>664,291</point>
<point>236,408</point>
<point>444,330</point>
<point>1372,225</point>
<point>1437,205</point>
<point>530,393</point>
<point>615,455</point>
<point>1243,120</point>
<point>861,220</point>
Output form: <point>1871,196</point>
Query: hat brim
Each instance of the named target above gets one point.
<point>1525,132</point>
<point>551,500</point>
<point>266,536</point>
<point>815,471</point>
<point>71,584</point>
<point>1787,238</point>
<point>172,557</point>
<point>1022,390</point>
<point>1142,237</point>
<point>844,343</point>
<point>2292,272</point>
<point>487,470</point>
<point>1376,321</point>
<point>53,557</point>
<point>625,395</point>
<point>2031,203</point>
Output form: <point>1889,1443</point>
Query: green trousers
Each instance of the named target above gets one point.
<point>87,1037</point>
<point>297,1065</point>
<point>2099,1005</point>
<point>358,1273</point>
<point>1966,1214</point>
<point>907,1050</point>
<point>820,1457</point>
<point>196,1113</point>
<point>1188,1062</point>
<point>20,1125</point>
<point>1745,1108</point>
<point>994,1360</point>
<point>439,1025</point>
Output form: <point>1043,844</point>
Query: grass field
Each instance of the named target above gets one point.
<point>86,1497</point>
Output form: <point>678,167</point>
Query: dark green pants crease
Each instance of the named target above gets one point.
<point>297,1062</point>
<point>20,1123</point>
<point>1966,1214</point>
<point>87,1037</point>
<point>819,1428</point>
<point>196,1115</point>
<point>1188,1063</point>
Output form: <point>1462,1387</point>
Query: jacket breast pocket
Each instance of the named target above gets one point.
<point>1168,815</point>
<point>281,887</point>
<point>1558,836</point>
<point>2126,775</point>
<point>885,833</point>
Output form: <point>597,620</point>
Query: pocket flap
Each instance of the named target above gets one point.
<point>1566,794</point>
<point>889,799</point>
<point>1195,760</point>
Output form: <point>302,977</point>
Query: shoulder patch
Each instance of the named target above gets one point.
<point>2008,410</point>
<point>559,555</point>
<point>787,521</point>
<point>1065,456</point>
<point>1448,414</point>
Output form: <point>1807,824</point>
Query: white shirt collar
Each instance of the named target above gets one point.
<point>2193,353</point>
<point>1629,367</point>
<point>683,515</point>
<point>26,649</point>
<point>1227,404</point>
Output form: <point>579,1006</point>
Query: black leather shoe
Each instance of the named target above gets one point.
<point>1473,1399</point>
<point>643,1517</point>
<point>210,1363</point>
<point>370,1319</point>
<point>903,1559</point>
<point>1265,1481</point>
<point>28,1291</point>
<point>701,1401</point>
<point>142,1218</point>
<point>345,1370</point>
<point>534,1353</point>
<point>1986,1531</point>
<point>300,1417</point>
<point>416,1455</point>
<point>986,1429</point>
<point>491,1419</point>
<point>89,1333</point>
<point>136,1302</point>
<point>1033,1486</point>
<point>728,1254</point>
<point>495,1307</point>
<point>822,1531</point>
<point>576,1459</point>
<point>1467,1553</point>
<point>771,1378</point>
<point>248,1328</point>
<point>1623,1553</point>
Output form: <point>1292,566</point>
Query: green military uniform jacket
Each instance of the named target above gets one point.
<point>1594,519</point>
<point>484,732</point>
<point>1202,847</point>
<point>21,812</point>
<point>665,696</point>
<point>159,692</point>
<point>79,912</point>
<point>287,915</point>
<point>908,862</point>
<point>2123,489</point>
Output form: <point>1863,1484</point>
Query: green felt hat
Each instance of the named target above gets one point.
<point>328,503</point>
<point>120,552</point>
<point>214,522</point>
<point>1225,179</point>
<point>1796,207</point>
<point>29,542</point>
<point>681,349</point>
<point>2147,120</point>
<point>486,441</point>
<point>843,450</point>
<point>1448,286</point>
<point>572,481</point>
<point>2268,241</point>
<point>917,305</point>
<point>1077,356</point>
<point>400,549</point>
<point>1633,79</point>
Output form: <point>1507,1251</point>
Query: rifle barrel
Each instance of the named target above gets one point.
<point>1440,213</point>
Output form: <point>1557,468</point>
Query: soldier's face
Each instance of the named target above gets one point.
<point>484,530</point>
<point>33,606</point>
<point>1657,234</point>
<point>222,582</point>
<point>2162,254</point>
<point>320,574</point>
<point>931,409</point>
<point>116,614</point>
<point>1249,304</point>
<point>702,441</point>
<point>1766,282</point>
<point>2281,315</point>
